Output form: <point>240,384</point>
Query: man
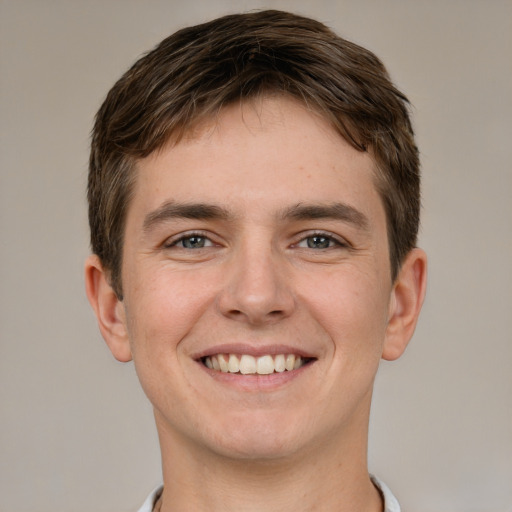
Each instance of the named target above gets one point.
<point>254,207</point>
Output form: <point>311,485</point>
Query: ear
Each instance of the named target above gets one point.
<point>405,304</point>
<point>108,308</point>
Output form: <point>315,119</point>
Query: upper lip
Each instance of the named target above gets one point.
<point>253,350</point>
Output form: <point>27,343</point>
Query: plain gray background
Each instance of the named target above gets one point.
<point>76,433</point>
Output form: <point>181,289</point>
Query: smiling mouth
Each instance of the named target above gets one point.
<point>249,365</point>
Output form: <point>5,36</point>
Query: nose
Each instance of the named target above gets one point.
<point>256,289</point>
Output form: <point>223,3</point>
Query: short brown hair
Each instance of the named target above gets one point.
<point>193,73</point>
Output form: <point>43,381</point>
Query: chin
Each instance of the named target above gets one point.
<point>256,449</point>
<point>259,439</point>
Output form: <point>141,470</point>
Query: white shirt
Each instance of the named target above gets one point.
<point>390,502</point>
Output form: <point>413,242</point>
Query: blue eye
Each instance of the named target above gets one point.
<point>193,242</point>
<point>319,242</point>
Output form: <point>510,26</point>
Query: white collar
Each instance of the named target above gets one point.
<point>390,502</point>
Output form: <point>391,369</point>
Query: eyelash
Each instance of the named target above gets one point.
<point>187,236</point>
<point>333,240</point>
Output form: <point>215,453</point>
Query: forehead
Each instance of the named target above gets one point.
<point>266,152</point>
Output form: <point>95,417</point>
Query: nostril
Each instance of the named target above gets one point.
<point>254,300</point>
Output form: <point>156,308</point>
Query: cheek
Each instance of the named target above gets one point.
<point>166,307</point>
<point>353,312</point>
<point>162,308</point>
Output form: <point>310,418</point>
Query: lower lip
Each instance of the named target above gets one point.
<point>255,382</point>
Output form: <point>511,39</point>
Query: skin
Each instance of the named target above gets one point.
<point>266,273</point>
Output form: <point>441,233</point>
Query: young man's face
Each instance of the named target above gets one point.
<point>259,238</point>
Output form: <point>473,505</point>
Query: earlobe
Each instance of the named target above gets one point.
<point>405,304</point>
<point>108,308</point>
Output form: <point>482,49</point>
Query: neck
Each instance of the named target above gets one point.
<point>321,478</point>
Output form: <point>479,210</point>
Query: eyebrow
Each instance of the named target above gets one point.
<point>203,211</point>
<point>336,211</point>
<point>173,210</point>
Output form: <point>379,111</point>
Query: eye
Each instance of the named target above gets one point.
<point>320,241</point>
<point>192,241</point>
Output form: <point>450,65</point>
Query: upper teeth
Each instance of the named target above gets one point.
<point>246,364</point>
